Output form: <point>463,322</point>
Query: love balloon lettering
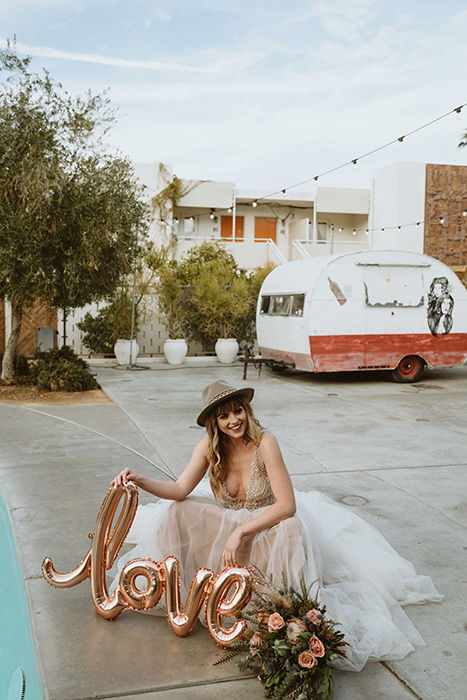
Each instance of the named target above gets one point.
<point>224,595</point>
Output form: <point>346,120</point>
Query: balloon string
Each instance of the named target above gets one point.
<point>153,447</point>
<point>96,432</point>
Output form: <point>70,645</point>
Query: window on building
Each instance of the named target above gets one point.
<point>189,225</point>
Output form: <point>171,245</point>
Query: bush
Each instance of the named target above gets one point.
<point>101,332</point>
<point>206,296</point>
<point>61,370</point>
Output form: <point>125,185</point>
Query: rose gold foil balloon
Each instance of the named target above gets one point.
<point>137,598</point>
<point>183,621</point>
<point>223,603</point>
<point>106,544</point>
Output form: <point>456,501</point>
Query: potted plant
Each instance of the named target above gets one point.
<point>170,293</point>
<point>110,329</point>
<point>222,300</point>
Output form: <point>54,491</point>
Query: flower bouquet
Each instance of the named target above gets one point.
<point>289,642</point>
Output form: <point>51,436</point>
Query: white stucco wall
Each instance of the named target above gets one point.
<point>398,198</point>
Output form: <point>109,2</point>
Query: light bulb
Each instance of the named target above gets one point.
<point>255,204</point>
<point>441,219</point>
<point>464,213</point>
<point>458,112</point>
<point>354,232</point>
<point>284,193</point>
<point>229,210</point>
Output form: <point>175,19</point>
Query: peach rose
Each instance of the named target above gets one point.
<point>254,641</point>
<point>263,617</point>
<point>294,627</point>
<point>307,660</point>
<point>314,616</point>
<point>275,622</point>
<point>317,647</point>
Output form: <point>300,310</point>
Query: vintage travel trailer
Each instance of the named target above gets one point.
<point>377,309</point>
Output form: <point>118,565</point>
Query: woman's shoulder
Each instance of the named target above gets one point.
<point>267,441</point>
<point>203,445</point>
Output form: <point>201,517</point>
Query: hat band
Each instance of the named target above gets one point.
<point>220,396</point>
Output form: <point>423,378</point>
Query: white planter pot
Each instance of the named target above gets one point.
<point>122,351</point>
<point>226,350</point>
<point>175,350</point>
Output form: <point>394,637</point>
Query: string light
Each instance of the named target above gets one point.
<point>441,219</point>
<point>211,215</point>
<point>353,161</point>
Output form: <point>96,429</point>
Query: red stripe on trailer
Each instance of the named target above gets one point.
<point>334,353</point>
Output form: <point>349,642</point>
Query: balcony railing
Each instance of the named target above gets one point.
<point>249,253</point>
<point>310,249</point>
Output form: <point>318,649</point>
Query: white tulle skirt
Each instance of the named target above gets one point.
<point>357,575</point>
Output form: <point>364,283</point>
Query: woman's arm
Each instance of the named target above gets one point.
<point>283,508</point>
<point>179,490</point>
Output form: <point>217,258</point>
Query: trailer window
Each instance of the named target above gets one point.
<point>280,305</point>
<point>298,301</point>
<point>387,285</point>
<point>265,304</point>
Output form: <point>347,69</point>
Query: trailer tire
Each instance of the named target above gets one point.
<point>409,369</point>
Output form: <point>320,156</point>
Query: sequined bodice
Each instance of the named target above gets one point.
<point>259,492</point>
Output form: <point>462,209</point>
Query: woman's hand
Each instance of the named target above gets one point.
<point>124,477</point>
<point>231,547</point>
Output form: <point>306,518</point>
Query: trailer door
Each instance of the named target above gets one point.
<point>393,295</point>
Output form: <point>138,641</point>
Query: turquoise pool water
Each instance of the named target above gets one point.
<point>19,678</point>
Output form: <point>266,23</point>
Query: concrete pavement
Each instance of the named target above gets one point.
<point>394,453</point>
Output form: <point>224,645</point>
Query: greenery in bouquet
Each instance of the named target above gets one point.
<point>289,642</point>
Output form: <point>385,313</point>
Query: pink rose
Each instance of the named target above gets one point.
<point>314,616</point>
<point>317,647</point>
<point>306,660</point>
<point>275,622</point>
<point>294,627</point>
<point>263,617</point>
<point>254,642</point>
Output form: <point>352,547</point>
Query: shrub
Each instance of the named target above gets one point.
<point>61,370</point>
<point>101,332</point>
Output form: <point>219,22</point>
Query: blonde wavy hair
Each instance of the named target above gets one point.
<point>217,450</point>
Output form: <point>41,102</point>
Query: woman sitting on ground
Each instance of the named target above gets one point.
<point>250,514</point>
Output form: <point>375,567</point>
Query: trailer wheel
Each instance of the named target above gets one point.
<point>409,369</point>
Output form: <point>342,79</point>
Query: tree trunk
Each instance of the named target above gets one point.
<point>8,368</point>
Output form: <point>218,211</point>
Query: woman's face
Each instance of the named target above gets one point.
<point>232,422</point>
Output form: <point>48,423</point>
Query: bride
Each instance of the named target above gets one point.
<point>250,513</point>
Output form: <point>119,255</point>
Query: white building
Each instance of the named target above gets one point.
<point>259,227</point>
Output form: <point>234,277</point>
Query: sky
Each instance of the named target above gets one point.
<point>264,94</point>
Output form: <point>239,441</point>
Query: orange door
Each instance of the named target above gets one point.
<point>265,227</point>
<point>226,227</point>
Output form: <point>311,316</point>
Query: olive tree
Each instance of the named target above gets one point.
<point>71,216</point>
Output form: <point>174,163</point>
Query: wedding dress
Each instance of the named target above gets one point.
<point>356,574</point>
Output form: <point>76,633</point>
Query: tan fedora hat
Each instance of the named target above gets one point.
<point>216,393</point>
